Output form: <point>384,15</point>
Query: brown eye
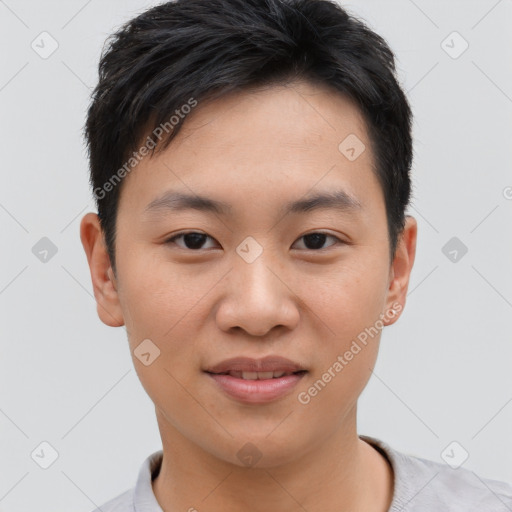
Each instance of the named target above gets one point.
<point>315,241</point>
<point>192,240</point>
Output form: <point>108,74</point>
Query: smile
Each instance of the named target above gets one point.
<point>256,387</point>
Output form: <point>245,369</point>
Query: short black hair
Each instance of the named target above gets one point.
<point>186,51</point>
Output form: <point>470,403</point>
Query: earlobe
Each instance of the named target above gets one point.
<point>103,280</point>
<point>400,271</point>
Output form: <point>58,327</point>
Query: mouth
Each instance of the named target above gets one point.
<point>256,381</point>
<point>252,367</point>
<point>258,375</point>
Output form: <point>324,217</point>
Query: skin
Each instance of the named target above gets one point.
<point>257,150</point>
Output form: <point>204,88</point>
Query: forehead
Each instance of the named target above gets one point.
<point>298,115</point>
<point>261,142</point>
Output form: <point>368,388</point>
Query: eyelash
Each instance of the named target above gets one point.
<point>180,235</point>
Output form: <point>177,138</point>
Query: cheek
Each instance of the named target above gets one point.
<point>349,305</point>
<point>169,319</point>
<point>350,299</point>
<point>166,305</point>
<point>347,343</point>
<point>158,297</point>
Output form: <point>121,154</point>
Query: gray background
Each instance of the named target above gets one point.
<point>444,372</point>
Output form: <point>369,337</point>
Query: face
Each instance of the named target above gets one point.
<point>244,274</point>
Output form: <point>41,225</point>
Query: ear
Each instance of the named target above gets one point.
<point>103,280</point>
<point>400,271</point>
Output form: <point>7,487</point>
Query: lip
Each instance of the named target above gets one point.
<point>248,364</point>
<point>256,391</point>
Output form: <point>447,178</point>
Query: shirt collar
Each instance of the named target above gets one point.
<point>144,499</point>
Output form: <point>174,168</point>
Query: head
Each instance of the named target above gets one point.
<point>284,124</point>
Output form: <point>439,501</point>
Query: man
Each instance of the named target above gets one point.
<point>250,160</point>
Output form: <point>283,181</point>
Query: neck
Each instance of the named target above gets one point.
<point>342,472</point>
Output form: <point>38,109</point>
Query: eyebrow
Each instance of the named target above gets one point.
<point>177,201</point>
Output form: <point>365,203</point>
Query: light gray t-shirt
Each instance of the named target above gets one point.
<point>420,485</point>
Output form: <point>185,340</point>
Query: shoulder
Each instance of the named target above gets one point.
<point>121,503</point>
<point>139,497</point>
<point>431,484</point>
<point>423,485</point>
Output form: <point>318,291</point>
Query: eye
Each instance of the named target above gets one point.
<point>193,240</point>
<point>316,240</point>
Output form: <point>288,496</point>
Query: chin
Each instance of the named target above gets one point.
<point>260,452</point>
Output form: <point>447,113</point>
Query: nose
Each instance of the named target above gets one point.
<point>257,298</point>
